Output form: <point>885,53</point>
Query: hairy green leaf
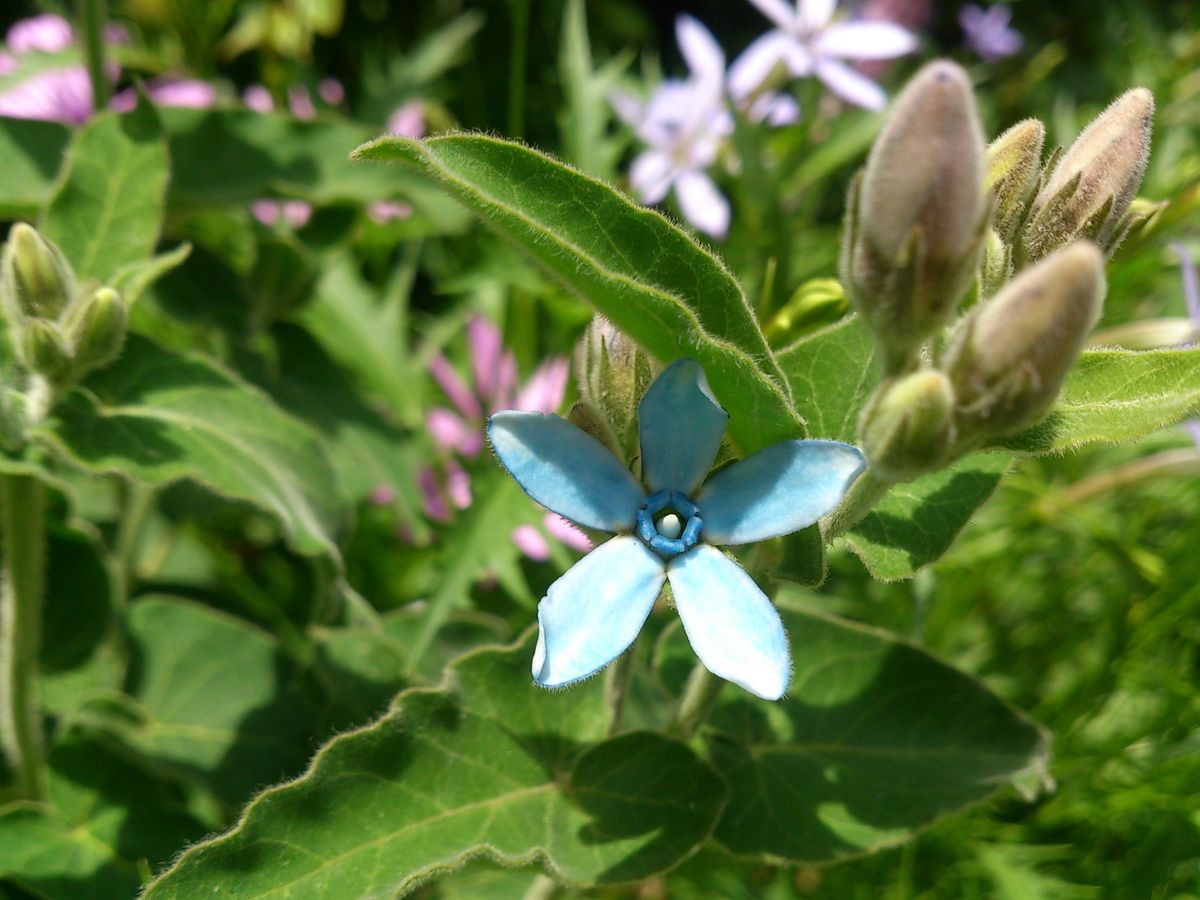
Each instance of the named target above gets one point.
<point>158,416</point>
<point>1112,396</point>
<point>874,740</point>
<point>107,209</point>
<point>630,263</point>
<point>491,766</point>
<point>832,373</point>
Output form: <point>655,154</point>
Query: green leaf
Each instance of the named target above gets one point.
<point>108,207</point>
<point>832,373</point>
<point>106,822</point>
<point>214,697</point>
<point>31,151</point>
<point>132,280</point>
<point>916,522</point>
<point>874,740</point>
<point>1112,396</point>
<point>158,416</point>
<point>630,263</point>
<point>493,767</point>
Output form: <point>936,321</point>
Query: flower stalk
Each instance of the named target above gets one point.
<point>22,529</point>
<point>92,16</point>
<point>699,694</point>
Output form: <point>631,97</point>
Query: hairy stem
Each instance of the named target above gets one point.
<point>92,16</point>
<point>699,694</point>
<point>543,888</point>
<point>616,686</point>
<point>22,530</point>
<point>866,491</point>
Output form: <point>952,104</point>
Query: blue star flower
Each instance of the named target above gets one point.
<point>665,528</point>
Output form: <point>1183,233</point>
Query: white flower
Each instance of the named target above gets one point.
<point>806,41</point>
<point>683,124</point>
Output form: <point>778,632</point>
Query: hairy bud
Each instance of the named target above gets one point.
<point>44,350</point>
<point>916,217</point>
<point>1010,356</point>
<point>36,280</point>
<point>908,427</point>
<point>1088,193</point>
<point>613,373</point>
<point>996,266</point>
<point>97,329</point>
<point>1013,161</point>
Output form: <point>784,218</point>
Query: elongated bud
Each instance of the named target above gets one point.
<point>45,350</point>
<point>36,280</point>
<point>996,265</point>
<point>1087,194</point>
<point>1010,356</point>
<point>817,302</point>
<point>613,373</point>
<point>916,217</point>
<point>1013,161</point>
<point>908,427</point>
<point>97,329</point>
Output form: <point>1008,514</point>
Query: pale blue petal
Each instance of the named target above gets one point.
<point>775,491</point>
<point>595,610</point>
<point>565,469</point>
<point>680,424</point>
<point>730,623</point>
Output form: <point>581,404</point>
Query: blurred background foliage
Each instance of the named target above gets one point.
<point>1075,593</point>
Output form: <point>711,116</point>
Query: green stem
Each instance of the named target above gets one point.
<point>23,532</point>
<point>92,16</point>
<point>866,491</point>
<point>699,694</point>
<point>137,500</point>
<point>518,50</point>
<point>543,888</point>
<point>616,687</point>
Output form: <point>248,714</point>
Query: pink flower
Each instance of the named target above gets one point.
<point>331,91</point>
<point>293,213</point>
<point>408,120</point>
<point>300,103</point>
<point>43,34</point>
<point>384,211</point>
<point>188,92</point>
<point>987,31</point>
<point>258,98</point>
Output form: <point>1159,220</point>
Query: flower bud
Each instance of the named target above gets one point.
<point>817,302</point>
<point>97,329</point>
<point>37,280</point>
<point>45,351</point>
<point>907,429</point>
<point>1010,356</point>
<point>916,217</point>
<point>1013,161</point>
<point>613,373</point>
<point>1088,192</point>
<point>996,265</point>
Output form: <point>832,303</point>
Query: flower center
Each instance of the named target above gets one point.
<point>669,523</point>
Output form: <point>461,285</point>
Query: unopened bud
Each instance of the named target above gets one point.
<point>908,428</point>
<point>817,302</point>
<point>996,265</point>
<point>45,350</point>
<point>97,329</point>
<point>37,280</point>
<point>916,218</point>
<point>1013,161</point>
<point>613,373</point>
<point>1088,193</point>
<point>1010,356</point>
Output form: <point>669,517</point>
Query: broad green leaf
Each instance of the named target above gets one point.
<point>630,263</point>
<point>107,209</point>
<point>214,696</point>
<point>1112,396</point>
<point>133,279</point>
<point>874,740</point>
<point>107,821</point>
<point>158,416</point>
<point>917,521</point>
<point>359,671</point>
<point>31,151</point>
<point>492,766</point>
<point>832,373</point>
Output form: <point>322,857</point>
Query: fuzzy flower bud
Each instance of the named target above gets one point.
<point>44,350</point>
<point>1010,356</point>
<point>908,427</point>
<point>613,373</point>
<point>97,329</point>
<point>1013,161</point>
<point>1088,193</point>
<point>37,280</point>
<point>916,217</point>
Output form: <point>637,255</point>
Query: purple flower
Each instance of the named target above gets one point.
<point>987,31</point>
<point>293,213</point>
<point>331,91</point>
<point>408,120</point>
<point>258,98</point>
<point>41,34</point>
<point>1191,295</point>
<point>187,92</point>
<point>384,211</point>
<point>807,42</point>
<point>300,103</point>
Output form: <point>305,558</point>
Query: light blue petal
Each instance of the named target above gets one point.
<point>565,469</point>
<point>731,624</point>
<point>595,610</point>
<point>775,491</point>
<point>680,425</point>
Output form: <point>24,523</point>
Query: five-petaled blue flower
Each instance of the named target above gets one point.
<point>665,530</point>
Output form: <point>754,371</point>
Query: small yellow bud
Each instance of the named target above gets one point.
<point>1090,189</point>
<point>817,302</point>
<point>1009,358</point>
<point>907,429</point>
<point>1013,161</point>
<point>97,329</point>
<point>37,280</point>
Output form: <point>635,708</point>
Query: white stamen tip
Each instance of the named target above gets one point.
<point>669,526</point>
